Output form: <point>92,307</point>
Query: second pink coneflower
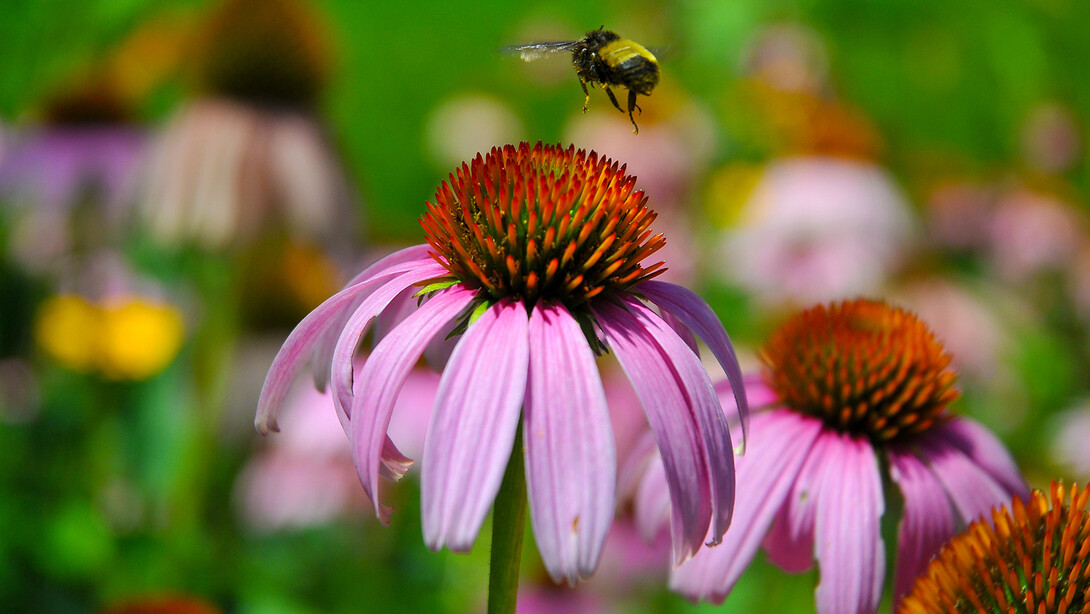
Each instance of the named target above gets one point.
<point>851,390</point>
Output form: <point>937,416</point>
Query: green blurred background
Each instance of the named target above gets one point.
<point>121,490</point>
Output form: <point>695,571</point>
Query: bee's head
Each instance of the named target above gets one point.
<point>599,37</point>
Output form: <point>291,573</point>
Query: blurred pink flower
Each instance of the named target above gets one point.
<point>816,229</point>
<point>1070,447</point>
<point>223,171</point>
<point>307,477</point>
<point>787,56</point>
<point>963,321</point>
<point>1051,139</point>
<point>531,328</point>
<point>1032,232</point>
<point>959,214</point>
<point>810,485</point>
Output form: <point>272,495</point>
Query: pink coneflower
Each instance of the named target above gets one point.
<point>535,252</point>
<point>851,389</point>
<point>248,157</point>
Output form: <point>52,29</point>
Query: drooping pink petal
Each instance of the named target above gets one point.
<point>301,342</point>
<point>382,377</point>
<point>323,348</point>
<point>928,520</point>
<point>848,544</point>
<point>670,414</point>
<point>692,311</point>
<point>971,489</point>
<point>709,415</point>
<point>570,457</point>
<point>682,331</point>
<point>354,329</point>
<point>473,426</point>
<point>985,449</point>
<point>781,441</point>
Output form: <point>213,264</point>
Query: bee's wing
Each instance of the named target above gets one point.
<point>536,51</point>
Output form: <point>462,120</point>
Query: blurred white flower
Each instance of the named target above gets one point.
<point>463,126</point>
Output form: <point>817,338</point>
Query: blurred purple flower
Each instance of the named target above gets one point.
<point>570,285</point>
<point>811,486</point>
<point>51,170</point>
<point>815,229</point>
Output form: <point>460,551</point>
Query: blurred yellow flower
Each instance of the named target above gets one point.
<point>127,338</point>
<point>66,330</point>
<point>139,338</point>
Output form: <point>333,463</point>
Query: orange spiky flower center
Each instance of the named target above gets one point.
<point>542,223</point>
<point>863,367</point>
<point>1036,560</point>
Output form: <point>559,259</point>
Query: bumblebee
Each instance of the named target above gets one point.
<point>605,59</point>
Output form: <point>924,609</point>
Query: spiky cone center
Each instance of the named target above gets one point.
<point>542,222</point>
<point>863,367</point>
<point>1036,560</point>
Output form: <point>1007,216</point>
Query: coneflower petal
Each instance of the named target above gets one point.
<point>985,449</point>
<point>847,532</point>
<point>677,433</point>
<point>570,458</point>
<point>383,375</point>
<point>473,426</point>
<point>928,521</point>
<point>782,442</point>
<point>970,488</point>
<point>709,415</point>
<point>302,340</point>
<point>694,313</point>
<point>323,348</point>
<point>344,352</point>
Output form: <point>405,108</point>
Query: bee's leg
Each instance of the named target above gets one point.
<point>612,98</point>
<point>632,105</point>
<point>586,101</point>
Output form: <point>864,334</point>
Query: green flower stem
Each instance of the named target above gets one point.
<point>508,521</point>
